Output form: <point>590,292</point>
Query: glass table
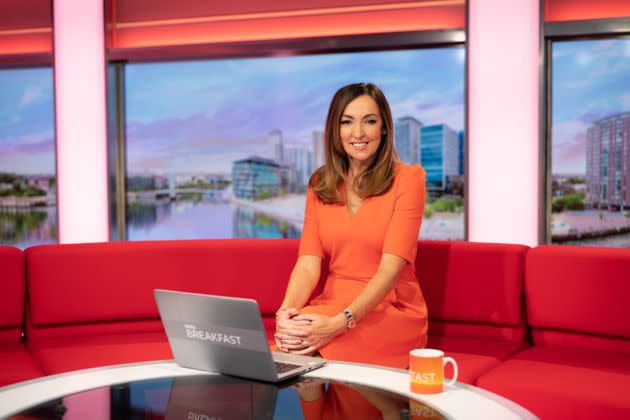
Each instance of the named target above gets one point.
<point>164,390</point>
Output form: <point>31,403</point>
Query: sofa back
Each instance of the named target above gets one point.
<point>108,287</point>
<point>12,295</point>
<point>579,296</point>
<point>473,289</point>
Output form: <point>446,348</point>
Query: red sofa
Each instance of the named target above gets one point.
<point>90,305</point>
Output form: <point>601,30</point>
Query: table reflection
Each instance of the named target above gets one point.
<point>214,397</point>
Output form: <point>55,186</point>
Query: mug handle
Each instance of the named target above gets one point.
<point>455,370</point>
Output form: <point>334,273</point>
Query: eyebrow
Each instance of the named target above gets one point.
<point>365,116</point>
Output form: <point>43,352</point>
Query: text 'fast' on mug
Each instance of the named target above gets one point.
<point>426,370</point>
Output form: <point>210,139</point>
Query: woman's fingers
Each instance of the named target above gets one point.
<point>306,351</point>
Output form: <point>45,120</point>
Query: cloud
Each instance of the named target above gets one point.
<point>31,95</point>
<point>569,145</point>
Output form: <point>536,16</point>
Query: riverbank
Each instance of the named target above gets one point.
<point>289,208</point>
<point>26,202</point>
<point>589,224</point>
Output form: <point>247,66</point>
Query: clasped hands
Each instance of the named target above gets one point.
<point>304,334</point>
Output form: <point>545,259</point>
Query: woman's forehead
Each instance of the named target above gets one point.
<point>361,106</point>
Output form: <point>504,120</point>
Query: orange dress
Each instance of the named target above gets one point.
<point>388,223</point>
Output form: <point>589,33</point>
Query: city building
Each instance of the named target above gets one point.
<point>319,149</point>
<point>406,139</point>
<point>276,147</point>
<point>439,155</point>
<point>460,137</point>
<point>607,162</point>
<point>256,178</point>
<point>300,157</point>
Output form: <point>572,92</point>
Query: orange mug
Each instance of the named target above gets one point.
<point>426,370</point>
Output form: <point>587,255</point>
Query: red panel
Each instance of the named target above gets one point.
<point>285,23</point>
<point>115,281</point>
<point>472,282</point>
<point>561,10</point>
<point>12,294</point>
<point>17,364</point>
<point>143,10</point>
<point>579,289</point>
<point>25,26</point>
<point>564,383</point>
<point>516,334</point>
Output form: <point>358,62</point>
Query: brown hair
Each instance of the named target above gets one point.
<point>377,178</point>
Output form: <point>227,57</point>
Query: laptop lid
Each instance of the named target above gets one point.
<point>222,334</point>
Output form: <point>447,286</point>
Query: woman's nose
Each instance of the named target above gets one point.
<point>357,130</point>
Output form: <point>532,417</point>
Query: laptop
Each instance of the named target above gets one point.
<point>225,335</point>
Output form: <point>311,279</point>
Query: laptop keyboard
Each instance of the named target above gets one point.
<point>285,367</point>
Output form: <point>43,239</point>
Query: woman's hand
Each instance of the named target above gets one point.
<point>319,331</point>
<point>290,333</point>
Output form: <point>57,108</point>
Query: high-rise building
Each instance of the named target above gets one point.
<point>439,155</point>
<point>406,139</point>
<point>607,162</point>
<point>256,178</point>
<point>460,154</point>
<point>319,149</point>
<point>300,157</point>
<point>276,147</point>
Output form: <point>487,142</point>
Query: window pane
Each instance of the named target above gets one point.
<point>225,148</point>
<point>591,143</point>
<point>28,212</point>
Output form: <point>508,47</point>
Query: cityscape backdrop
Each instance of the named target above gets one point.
<point>591,143</point>
<point>226,148</point>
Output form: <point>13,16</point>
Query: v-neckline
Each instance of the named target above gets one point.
<point>345,197</point>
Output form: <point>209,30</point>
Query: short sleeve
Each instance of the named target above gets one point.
<point>310,244</point>
<point>402,233</point>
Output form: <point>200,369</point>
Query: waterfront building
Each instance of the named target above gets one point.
<point>460,154</point>
<point>300,157</point>
<point>256,178</point>
<point>276,146</point>
<point>607,162</point>
<point>407,138</point>
<point>439,155</point>
<point>319,149</point>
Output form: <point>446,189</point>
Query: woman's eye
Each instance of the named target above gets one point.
<point>371,122</point>
<point>346,122</point>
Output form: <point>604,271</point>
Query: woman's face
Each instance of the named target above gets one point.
<point>360,130</point>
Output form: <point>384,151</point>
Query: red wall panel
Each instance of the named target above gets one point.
<point>562,10</point>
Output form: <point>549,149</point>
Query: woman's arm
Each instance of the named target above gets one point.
<point>302,282</point>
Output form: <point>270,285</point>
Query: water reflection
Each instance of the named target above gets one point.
<point>23,227</point>
<point>202,217</point>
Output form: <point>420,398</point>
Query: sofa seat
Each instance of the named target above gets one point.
<point>474,356</point>
<point>58,355</point>
<point>17,364</point>
<point>565,382</point>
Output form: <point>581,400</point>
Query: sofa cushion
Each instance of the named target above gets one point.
<point>590,286</point>
<point>114,282</point>
<point>472,282</point>
<point>564,382</point>
<point>474,356</point>
<point>82,352</point>
<point>17,364</point>
<point>12,296</point>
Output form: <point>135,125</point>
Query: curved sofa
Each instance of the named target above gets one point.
<point>548,327</point>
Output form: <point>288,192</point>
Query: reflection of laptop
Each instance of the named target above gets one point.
<point>224,335</point>
<point>220,397</point>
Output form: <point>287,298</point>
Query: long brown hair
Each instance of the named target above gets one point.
<point>374,180</point>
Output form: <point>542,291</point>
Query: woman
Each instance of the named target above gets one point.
<point>363,211</point>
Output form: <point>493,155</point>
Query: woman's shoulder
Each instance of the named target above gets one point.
<point>410,173</point>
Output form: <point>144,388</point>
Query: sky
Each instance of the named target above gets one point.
<point>591,80</point>
<point>27,121</point>
<point>199,116</point>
